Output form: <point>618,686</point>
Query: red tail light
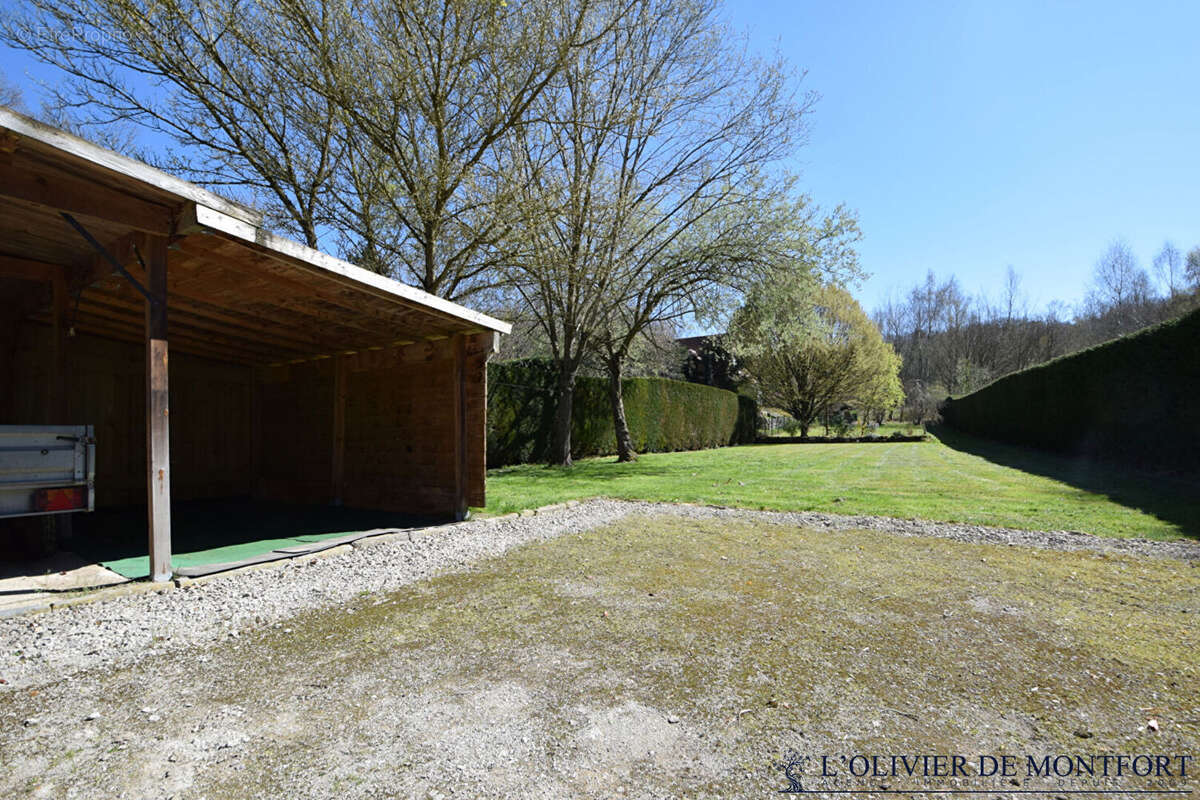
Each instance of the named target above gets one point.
<point>60,499</point>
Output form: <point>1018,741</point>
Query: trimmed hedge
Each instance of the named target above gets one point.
<point>663,414</point>
<point>1135,399</point>
<point>892,439</point>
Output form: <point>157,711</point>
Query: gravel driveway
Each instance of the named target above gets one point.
<point>337,677</point>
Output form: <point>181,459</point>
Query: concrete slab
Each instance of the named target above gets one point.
<point>61,572</point>
<point>37,582</point>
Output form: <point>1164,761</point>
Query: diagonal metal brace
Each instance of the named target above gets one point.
<point>107,256</point>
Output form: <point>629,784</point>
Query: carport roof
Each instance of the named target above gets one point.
<point>235,290</point>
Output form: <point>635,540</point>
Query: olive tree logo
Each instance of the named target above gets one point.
<point>792,767</point>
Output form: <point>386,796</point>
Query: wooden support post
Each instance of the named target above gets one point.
<point>158,429</point>
<point>340,375</point>
<point>460,426</point>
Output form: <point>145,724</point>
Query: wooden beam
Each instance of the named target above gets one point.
<point>24,269</point>
<point>59,407</point>
<point>196,217</point>
<point>235,277</point>
<point>46,187</point>
<point>340,381</point>
<point>400,355</point>
<point>213,344</point>
<point>31,135</point>
<point>460,427</point>
<point>486,344</point>
<point>158,431</point>
<point>218,326</point>
<point>98,268</point>
<point>127,331</point>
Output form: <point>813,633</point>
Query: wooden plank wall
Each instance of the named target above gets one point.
<point>400,437</point>
<point>397,427</point>
<point>210,414</point>
<point>211,438</point>
<point>296,430</point>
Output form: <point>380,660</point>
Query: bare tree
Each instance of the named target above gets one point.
<point>656,139</point>
<point>1168,266</point>
<point>953,343</point>
<point>11,94</point>
<point>428,92</point>
<point>1120,291</point>
<point>1192,269</point>
<point>376,118</point>
<point>1118,280</point>
<point>210,78</point>
<point>1014,304</point>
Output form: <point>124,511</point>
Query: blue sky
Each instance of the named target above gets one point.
<point>975,135</point>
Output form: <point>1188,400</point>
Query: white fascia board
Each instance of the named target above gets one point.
<point>131,168</point>
<point>213,220</point>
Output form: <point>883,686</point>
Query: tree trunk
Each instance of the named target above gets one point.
<point>625,451</point>
<point>560,439</point>
<point>804,416</point>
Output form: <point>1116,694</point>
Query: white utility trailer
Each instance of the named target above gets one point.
<point>46,469</point>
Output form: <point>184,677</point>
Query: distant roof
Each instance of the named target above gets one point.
<point>697,341</point>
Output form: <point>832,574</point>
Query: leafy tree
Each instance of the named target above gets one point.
<point>714,260</point>
<point>882,392</point>
<point>810,350</point>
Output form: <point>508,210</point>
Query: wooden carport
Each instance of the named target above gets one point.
<point>294,376</point>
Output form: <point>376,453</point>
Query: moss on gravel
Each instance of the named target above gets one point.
<point>771,637</point>
<point>757,638</point>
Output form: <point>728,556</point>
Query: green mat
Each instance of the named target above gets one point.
<point>222,531</point>
<point>139,566</point>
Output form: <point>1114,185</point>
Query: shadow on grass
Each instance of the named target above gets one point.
<point>602,469</point>
<point>1171,498</point>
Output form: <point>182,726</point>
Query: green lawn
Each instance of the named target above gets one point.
<point>959,479</point>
